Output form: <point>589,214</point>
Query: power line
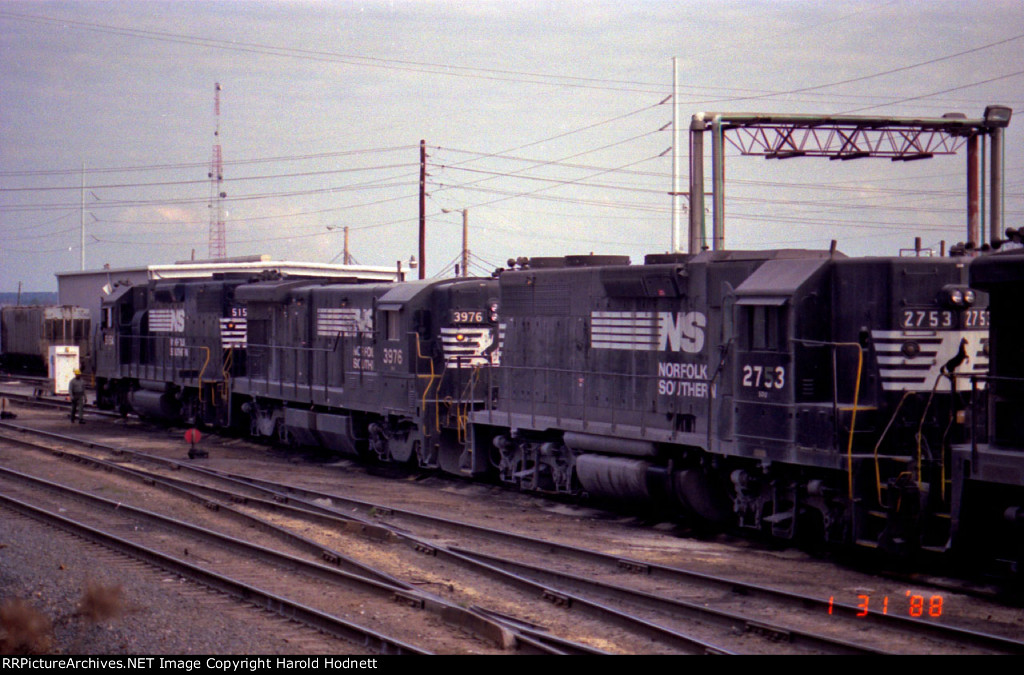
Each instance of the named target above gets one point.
<point>351,59</point>
<point>203,165</point>
<point>937,93</point>
<point>183,201</point>
<point>301,174</point>
<point>901,69</point>
<point>448,69</point>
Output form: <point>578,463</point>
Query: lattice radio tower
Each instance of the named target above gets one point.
<point>218,243</point>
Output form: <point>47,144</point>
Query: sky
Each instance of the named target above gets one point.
<point>548,122</point>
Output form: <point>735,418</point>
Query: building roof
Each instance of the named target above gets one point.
<point>207,268</point>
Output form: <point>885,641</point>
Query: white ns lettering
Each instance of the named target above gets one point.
<point>681,331</point>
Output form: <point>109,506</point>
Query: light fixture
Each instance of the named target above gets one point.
<point>998,116</point>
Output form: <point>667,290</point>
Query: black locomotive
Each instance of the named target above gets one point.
<point>387,369</point>
<point>169,349</point>
<point>359,368</point>
<point>988,471</point>
<point>799,393</point>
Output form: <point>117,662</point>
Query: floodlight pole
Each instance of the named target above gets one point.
<point>423,209</point>
<point>676,133</point>
<point>997,178</point>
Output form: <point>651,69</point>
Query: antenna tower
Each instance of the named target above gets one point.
<point>218,243</point>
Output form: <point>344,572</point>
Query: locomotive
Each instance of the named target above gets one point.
<point>988,469</point>
<point>388,369</point>
<point>382,368</point>
<point>802,394</point>
<point>169,349</point>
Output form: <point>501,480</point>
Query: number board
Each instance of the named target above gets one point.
<point>467,316</point>
<point>942,319</point>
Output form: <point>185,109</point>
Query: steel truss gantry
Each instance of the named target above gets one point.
<point>843,137</point>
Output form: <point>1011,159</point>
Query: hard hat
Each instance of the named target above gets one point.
<point>77,371</point>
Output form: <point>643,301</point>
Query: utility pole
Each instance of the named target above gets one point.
<point>423,209</point>
<point>82,213</point>
<point>346,259</point>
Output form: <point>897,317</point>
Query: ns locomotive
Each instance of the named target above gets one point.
<point>988,469</point>
<point>387,369</point>
<point>804,394</point>
<point>798,393</point>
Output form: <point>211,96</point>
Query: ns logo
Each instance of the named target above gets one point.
<point>681,331</point>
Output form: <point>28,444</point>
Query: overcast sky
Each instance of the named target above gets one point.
<point>548,121</point>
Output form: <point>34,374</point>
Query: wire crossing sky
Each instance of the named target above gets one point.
<point>550,122</point>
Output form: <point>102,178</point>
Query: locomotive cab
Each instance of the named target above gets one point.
<point>846,381</point>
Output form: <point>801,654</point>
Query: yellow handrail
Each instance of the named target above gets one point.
<point>920,426</point>
<point>878,445</point>
<point>853,414</point>
<point>432,376</point>
<point>203,370</point>
<point>856,400</point>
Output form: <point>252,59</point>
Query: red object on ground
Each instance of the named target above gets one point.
<point>192,436</point>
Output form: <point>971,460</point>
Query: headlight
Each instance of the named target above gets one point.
<point>910,349</point>
<point>956,297</point>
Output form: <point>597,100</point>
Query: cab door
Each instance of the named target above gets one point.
<point>763,377</point>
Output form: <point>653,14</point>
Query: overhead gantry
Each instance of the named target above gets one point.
<point>845,137</point>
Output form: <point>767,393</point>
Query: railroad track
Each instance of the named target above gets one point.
<point>731,604</point>
<point>196,546</point>
<point>620,596</point>
<point>26,500</point>
<point>511,633</point>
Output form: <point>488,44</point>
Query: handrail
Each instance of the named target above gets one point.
<point>433,376</point>
<point>225,371</point>
<point>918,437</point>
<point>878,445</point>
<point>203,370</point>
<point>856,400</point>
